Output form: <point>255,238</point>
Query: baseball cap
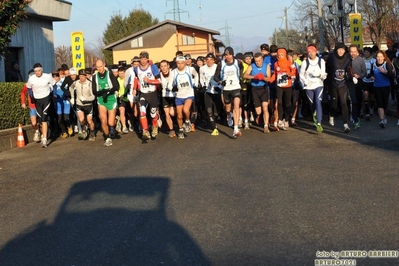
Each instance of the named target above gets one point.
<point>82,72</point>
<point>210,55</point>
<point>187,56</point>
<point>180,58</point>
<point>201,58</point>
<point>264,46</point>
<point>144,54</point>
<point>72,71</point>
<point>228,51</point>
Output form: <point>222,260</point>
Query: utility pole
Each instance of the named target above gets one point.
<point>321,26</point>
<point>286,27</point>
<point>226,33</point>
<point>176,11</point>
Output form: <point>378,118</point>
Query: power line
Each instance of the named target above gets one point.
<point>291,4</point>
<point>237,18</point>
<point>122,5</point>
<point>89,14</point>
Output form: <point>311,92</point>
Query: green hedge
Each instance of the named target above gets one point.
<point>11,113</point>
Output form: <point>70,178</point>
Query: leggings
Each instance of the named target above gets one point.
<point>342,95</point>
<point>315,98</point>
<point>284,102</point>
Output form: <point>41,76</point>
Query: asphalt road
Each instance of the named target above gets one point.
<point>260,199</point>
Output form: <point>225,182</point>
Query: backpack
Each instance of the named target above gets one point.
<point>308,63</point>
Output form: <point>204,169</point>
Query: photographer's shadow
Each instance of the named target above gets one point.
<point>116,221</point>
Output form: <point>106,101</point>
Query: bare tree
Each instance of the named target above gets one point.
<point>381,19</point>
<point>63,55</point>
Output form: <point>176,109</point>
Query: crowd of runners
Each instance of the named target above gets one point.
<point>269,89</point>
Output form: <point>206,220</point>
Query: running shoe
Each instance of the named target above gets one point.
<point>382,124</point>
<point>146,135</point>
<point>215,132</point>
<point>281,126</point>
<point>187,127</point>
<point>154,132</point>
<point>64,135</point>
<point>385,120</point>
<point>44,143</point>
<point>368,117</point>
<point>293,123</point>
<point>76,129</point>
<point>180,135</point>
<point>131,127</point>
<point>118,124</point>
<point>319,128</point>
<point>36,136</point>
<point>230,119</point>
<point>357,124</point>
<point>274,127</point>
<point>346,128</point>
<point>70,131</point>
<point>108,142</point>
<point>92,136</point>
<point>246,125</point>
<point>85,134</point>
<point>172,134</point>
<point>251,118</point>
<point>286,125</point>
<point>80,135</point>
<point>125,130</point>
<point>315,118</point>
<point>266,129</point>
<point>236,133</point>
<point>331,121</point>
<point>240,123</point>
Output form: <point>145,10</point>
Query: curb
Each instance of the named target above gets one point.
<point>8,137</point>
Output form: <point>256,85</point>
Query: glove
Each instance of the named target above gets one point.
<point>175,88</point>
<point>105,95</point>
<point>72,101</point>
<point>260,76</point>
<point>256,76</point>
<point>67,95</point>
<point>223,83</point>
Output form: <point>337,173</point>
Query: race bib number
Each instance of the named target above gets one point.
<point>282,79</point>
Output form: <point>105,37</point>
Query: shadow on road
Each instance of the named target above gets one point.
<point>116,221</point>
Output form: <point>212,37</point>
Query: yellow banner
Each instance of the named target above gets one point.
<point>356,29</point>
<point>78,51</point>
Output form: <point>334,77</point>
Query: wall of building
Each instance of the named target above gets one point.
<point>156,54</point>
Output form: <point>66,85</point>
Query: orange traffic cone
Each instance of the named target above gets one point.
<point>20,139</point>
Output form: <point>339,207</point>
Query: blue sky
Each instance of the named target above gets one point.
<point>244,18</point>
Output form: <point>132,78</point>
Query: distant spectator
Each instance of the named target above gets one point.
<point>14,75</point>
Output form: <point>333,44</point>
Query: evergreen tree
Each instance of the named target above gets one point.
<point>12,13</point>
<point>120,27</point>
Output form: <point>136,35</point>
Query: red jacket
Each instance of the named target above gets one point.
<point>24,91</point>
<point>284,71</point>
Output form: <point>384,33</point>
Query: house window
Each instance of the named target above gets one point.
<point>188,40</point>
<point>138,42</point>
